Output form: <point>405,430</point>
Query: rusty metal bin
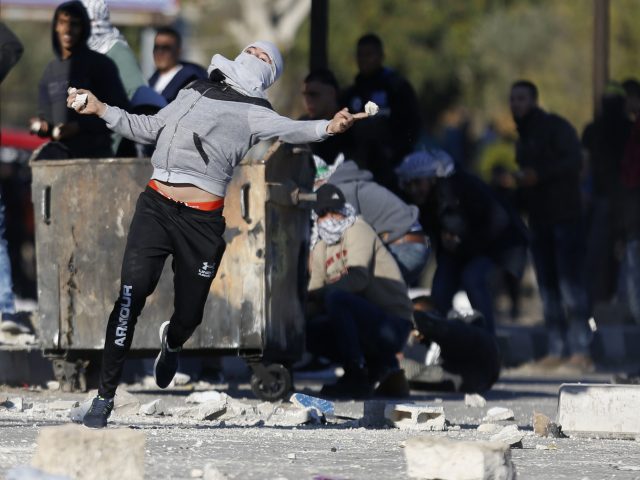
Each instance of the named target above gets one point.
<point>83,209</point>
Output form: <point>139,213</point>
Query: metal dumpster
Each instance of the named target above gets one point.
<point>83,209</point>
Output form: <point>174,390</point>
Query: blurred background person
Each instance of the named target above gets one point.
<point>549,156</point>
<point>384,139</point>
<point>77,66</point>
<point>471,231</point>
<point>172,74</point>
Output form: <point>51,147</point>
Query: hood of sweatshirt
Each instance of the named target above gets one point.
<point>349,172</point>
<point>76,9</point>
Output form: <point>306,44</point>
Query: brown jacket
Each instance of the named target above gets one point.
<point>361,264</point>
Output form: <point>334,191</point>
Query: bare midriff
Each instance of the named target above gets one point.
<point>185,192</point>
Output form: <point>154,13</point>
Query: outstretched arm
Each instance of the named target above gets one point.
<point>139,128</point>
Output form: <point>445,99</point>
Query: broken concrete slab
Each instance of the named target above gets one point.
<point>474,400</point>
<point>78,452</point>
<point>599,410</point>
<point>509,435</point>
<point>414,416</point>
<point>291,416</point>
<point>368,414</point>
<point>212,410</point>
<point>498,414</point>
<point>432,458</point>
<point>156,407</point>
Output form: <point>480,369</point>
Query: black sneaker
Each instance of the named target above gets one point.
<point>98,413</point>
<point>353,384</point>
<point>167,361</point>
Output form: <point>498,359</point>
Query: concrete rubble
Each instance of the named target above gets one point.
<point>498,414</point>
<point>509,435</point>
<point>544,427</point>
<point>208,396</point>
<point>618,404</point>
<point>489,427</point>
<point>13,404</point>
<point>79,452</point>
<point>474,400</point>
<point>155,407</point>
<point>212,473</point>
<point>431,458</point>
<point>413,416</point>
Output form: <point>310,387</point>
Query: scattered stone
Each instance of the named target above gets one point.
<point>53,385</point>
<point>124,403</point>
<point>30,473</point>
<point>509,435</point>
<point>440,458</point>
<point>196,473</point>
<point>551,446</point>
<point>291,456</point>
<point>15,404</point>
<point>474,400</point>
<point>324,407</point>
<point>156,407</point>
<point>210,410</point>
<point>497,414</point>
<point>489,427</point>
<point>578,402</point>
<point>409,416</point>
<point>212,473</point>
<point>291,416</point>
<point>62,405</point>
<point>544,427</point>
<point>78,452</point>
<point>204,397</point>
<point>180,379</point>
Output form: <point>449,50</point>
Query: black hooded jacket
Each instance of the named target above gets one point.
<point>549,145</point>
<point>83,69</point>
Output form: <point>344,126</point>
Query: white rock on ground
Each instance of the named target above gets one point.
<point>432,458</point>
<point>489,428</point>
<point>196,473</point>
<point>497,414</point>
<point>414,416</point>
<point>509,435</point>
<point>156,407</point>
<point>212,473</point>
<point>474,400</point>
<point>203,397</point>
<point>79,452</point>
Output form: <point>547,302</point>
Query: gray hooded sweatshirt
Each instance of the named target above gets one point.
<point>206,131</point>
<point>380,208</point>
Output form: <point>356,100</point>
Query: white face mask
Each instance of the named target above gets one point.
<point>263,71</point>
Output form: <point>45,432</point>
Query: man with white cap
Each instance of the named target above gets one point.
<point>200,137</point>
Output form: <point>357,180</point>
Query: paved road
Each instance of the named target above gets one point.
<point>176,447</point>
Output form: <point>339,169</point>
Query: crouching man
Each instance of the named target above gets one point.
<point>359,313</point>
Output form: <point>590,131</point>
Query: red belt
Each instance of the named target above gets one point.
<point>204,206</point>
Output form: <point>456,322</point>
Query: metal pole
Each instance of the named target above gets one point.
<point>318,55</point>
<point>600,50</point>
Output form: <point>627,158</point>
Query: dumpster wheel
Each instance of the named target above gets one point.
<point>271,382</point>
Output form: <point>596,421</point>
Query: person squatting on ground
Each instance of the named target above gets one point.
<point>75,65</point>
<point>549,155</point>
<point>200,137</point>
<point>469,353</point>
<point>359,313</point>
<point>392,219</point>
<point>471,231</point>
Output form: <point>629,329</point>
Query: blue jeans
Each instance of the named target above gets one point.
<point>472,276</point>
<point>411,258</point>
<point>7,303</point>
<point>630,278</point>
<point>558,259</point>
<point>356,331</point>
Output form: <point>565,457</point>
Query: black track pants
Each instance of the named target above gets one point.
<point>162,227</point>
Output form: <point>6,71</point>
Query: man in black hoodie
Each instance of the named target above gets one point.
<point>382,141</point>
<point>75,66</point>
<point>550,158</point>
